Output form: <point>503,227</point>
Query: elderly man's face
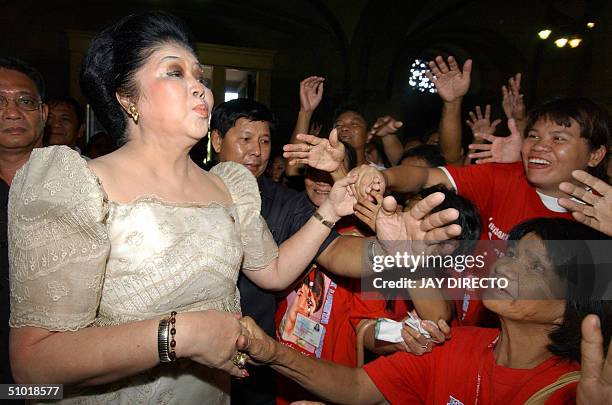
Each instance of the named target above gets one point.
<point>20,129</point>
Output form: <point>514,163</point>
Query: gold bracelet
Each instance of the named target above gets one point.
<point>325,222</point>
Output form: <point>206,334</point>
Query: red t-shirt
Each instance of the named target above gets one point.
<point>504,199</point>
<point>319,318</point>
<point>450,374</point>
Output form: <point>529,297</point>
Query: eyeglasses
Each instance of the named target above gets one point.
<point>24,102</point>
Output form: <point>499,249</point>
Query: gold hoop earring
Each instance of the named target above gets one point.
<point>133,113</point>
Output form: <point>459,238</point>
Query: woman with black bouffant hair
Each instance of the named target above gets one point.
<point>130,260</point>
<point>550,348</point>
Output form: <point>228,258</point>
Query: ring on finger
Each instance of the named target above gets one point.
<point>240,359</point>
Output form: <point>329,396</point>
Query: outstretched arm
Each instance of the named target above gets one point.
<point>401,178</point>
<point>413,341</point>
<point>333,382</point>
<point>345,255</point>
<point>311,94</point>
<point>296,253</point>
<point>452,84</point>
<point>386,128</point>
<point>100,355</point>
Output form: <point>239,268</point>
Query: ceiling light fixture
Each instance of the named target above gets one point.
<point>544,34</point>
<point>574,42</point>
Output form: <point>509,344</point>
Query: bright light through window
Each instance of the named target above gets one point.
<point>230,95</point>
<point>418,77</point>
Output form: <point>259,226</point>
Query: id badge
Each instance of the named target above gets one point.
<point>308,330</point>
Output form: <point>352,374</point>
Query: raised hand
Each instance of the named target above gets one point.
<point>341,197</point>
<point>481,124</point>
<point>320,153</point>
<point>418,228</point>
<point>369,180</point>
<point>500,149</point>
<point>512,99</point>
<point>452,83</point>
<point>423,225</point>
<point>386,125</point>
<point>389,225</point>
<point>595,386</point>
<point>597,212</point>
<point>367,211</point>
<point>311,93</point>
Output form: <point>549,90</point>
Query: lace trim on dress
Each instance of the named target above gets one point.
<point>259,246</point>
<point>58,243</point>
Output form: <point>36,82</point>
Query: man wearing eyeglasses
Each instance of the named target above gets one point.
<point>22,122</point>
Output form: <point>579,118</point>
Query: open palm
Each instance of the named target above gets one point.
<point>481,124</point>
<point>500,149</point>
<point>311,92</point>
<point>320,153</point>
<point>450,81</point>
<point>417,230</point>
<point>596,211</point>
<point>342,199</point>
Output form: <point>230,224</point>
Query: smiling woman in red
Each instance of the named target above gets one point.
<point>562,135</point>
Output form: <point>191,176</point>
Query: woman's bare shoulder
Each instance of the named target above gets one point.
<point>103,165</point>
<point>219,188</point>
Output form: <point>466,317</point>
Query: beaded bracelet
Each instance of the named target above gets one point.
<point>172,334</point>
<point>166,342</point>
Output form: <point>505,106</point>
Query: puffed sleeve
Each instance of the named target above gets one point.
<point>58,244</point>
<point>258,244</point>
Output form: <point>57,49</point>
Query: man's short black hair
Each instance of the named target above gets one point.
<point>76,106</point>
<point>225,115</point>
<point>349,106</point>
<point>12,63</point>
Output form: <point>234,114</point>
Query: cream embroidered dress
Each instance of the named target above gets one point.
<point>78,260</point>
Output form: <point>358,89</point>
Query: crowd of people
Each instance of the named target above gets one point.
<point>131,274</point>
